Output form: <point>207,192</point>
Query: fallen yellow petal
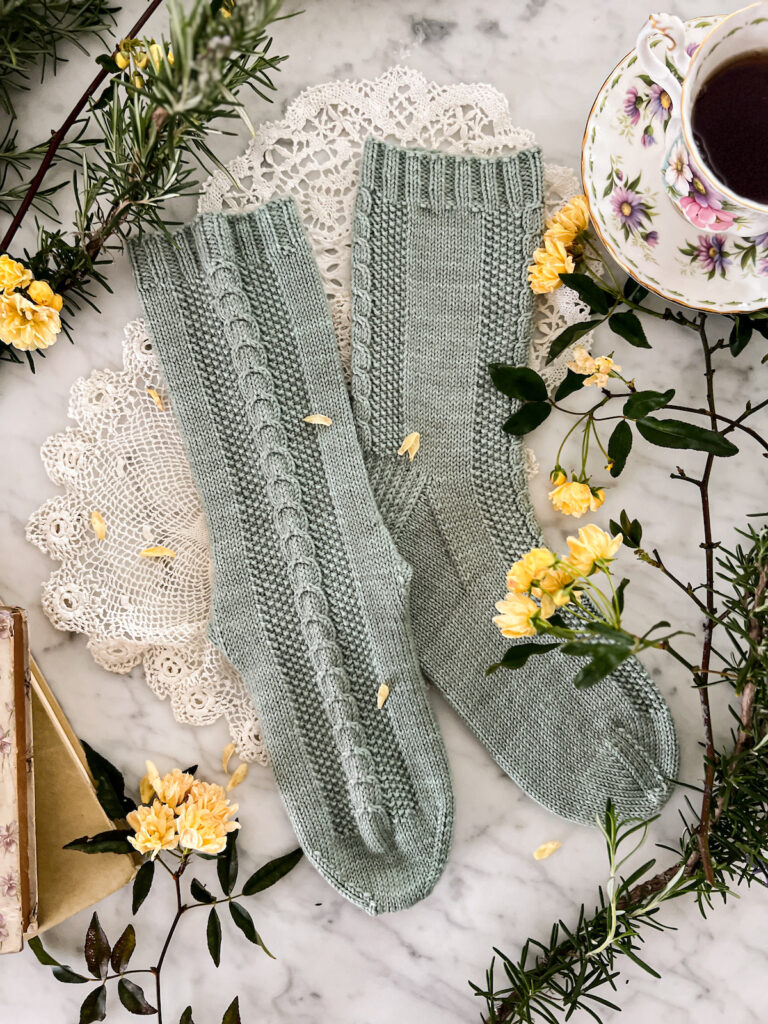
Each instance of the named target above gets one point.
<point>237,776</point>
<point>98,524</point>
<point>381,696</point>
<point>156,399</point>
<point>157,552</point>
<point>316,417</point>
<point>547,849</point>
<point>410,445</point>
<point>146,790</point>
<point>226,754</point>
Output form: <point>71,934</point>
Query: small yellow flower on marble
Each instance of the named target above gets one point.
<point>410,445</point>
<point>156,399</point>
<point>382,695</point>
<point>154,827</point>
<point>226,756</point>
<point>546,849</point>
<point>318,419</point>
<point>237,776</point>
<point>13,274</point>
<point>98,525</point>
<point>157,551</point>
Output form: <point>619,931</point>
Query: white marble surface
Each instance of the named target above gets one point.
<point>334,963</point>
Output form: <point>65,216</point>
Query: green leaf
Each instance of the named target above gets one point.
<point>598,299</point>
<point>200,893</point>
<point>123,950</point>
<point>520,382</point>
<point>570,383</point>
<point>97,948</point>
<point>527,418</point>
<point>67,976</point>
<point>620,594</point>
<point>517,655</point>
<point>630,529</point>
<point>644,402</point>
<point>232,1014</point>
<point>740,334</point>
<point>619,447</point>
<point>677,434</point>
<point>113,841</point>
<point>94,1006</point>
<point>186,1017</point>
<point>244,921</point>
<point>133,999</point>
<point>226,864</point>
<point>108,63</point>
<point>213,935</point>
<point>571,334</point>
<point>142,883</point>
<point>627,325</point>
<point>110,784</point>
<point>43,956</point>
<point>633,291</point>
<point>272,872</point>
<point>604,659</point>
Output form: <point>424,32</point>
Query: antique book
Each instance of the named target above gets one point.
<point>41,810</point>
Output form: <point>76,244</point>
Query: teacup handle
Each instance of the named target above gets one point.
<point>674,32</point>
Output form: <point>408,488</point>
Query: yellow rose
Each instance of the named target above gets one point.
<point>574,216</point>
<point>122,60</point>
<point>12,274</point>
<point>572,498</point>
<point>529,568</point>
<point>551,260</point>
<point>155,829</point>
<point>211,797</point>
<point>603,367</point>
<point>553,584</point>
<point>582,361</point>
<point>42,293</point>
<point>172,788</point>
<point>560,232</point>
<point>26,325</point>
<point>592,545</point>
<point>517,612</point>
<point>200,829</point>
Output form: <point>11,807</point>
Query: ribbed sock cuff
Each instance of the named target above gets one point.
<point>276,231</point>
<point>418,177</point>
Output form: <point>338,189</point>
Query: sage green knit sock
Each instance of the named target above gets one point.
<point>310,595</point>
<point>440,250</point>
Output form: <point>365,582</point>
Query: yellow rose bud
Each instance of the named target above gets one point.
<point>572,499</point>
<point>142,59</point>
<point>122,60</point>
<point>138,81</point>
<point>170,56</point>
<point>557,477</point>
<point>42,293</point>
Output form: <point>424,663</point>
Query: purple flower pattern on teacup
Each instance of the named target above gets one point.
<point>651,238</point>
<point>648,138</point>
<point>9,885</point>
<point>660,103</point>
<point>628,207</point>
<point>8,837</point>
<point>710,253</point>
<point>632,103</point>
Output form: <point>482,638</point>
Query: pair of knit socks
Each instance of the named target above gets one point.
<point>344,574</point>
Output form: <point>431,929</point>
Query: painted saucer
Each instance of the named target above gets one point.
<point>621,167</point>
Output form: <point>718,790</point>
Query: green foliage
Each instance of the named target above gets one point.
<point>679,434</point>
<point>32,33</point>
<point>619,447</point>
<point>628,326</point>
<point>568,337</point>
<point>641,403</point>
<point>630,529</point>
<point>113,841</point>
<point>527,418</point>
<point>520,382</point>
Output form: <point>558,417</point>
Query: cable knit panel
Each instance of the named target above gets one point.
<point>310,594</point>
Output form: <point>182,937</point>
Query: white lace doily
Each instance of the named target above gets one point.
<point>124,459</point>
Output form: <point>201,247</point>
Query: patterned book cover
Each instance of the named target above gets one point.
<point>17,834</point>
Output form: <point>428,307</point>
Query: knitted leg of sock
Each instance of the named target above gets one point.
<point>439,286</point>
<point>310,594</point>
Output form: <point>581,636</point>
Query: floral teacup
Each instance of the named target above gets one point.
<point>680,68</point>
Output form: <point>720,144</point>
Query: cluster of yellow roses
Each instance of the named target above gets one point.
<point>559,245</point>
<point>552,579</point>
<point>179,810</point>
<point>574,497</point>
<point>30,321</point>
